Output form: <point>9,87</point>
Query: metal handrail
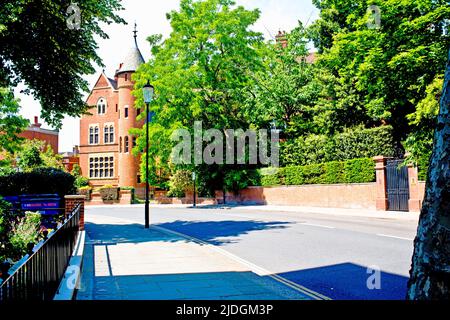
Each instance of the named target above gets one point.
<point>37,277</point>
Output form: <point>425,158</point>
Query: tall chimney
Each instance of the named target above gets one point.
<point>281,39</point>
<point>36,123</point>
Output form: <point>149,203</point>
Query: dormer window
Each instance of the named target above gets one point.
<point>101,106</point>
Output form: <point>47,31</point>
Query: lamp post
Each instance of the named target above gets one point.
<point>148,90</point>
<point>194,178</point>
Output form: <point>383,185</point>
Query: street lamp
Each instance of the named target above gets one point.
<point>194,178</point>
<point>148,90</point>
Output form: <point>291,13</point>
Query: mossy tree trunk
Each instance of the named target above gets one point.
<point>430,271</point>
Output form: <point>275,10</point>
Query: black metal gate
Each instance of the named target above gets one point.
<point>397,185</point>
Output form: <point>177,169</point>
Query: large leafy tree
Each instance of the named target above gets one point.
<point>285,90</point>
<point>430,271</point>
<point>38,48</point>
<point>201,73</point>
<point>381,72</point>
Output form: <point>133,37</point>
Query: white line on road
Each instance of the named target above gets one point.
<point>317,225</point>
<point>395,237</point>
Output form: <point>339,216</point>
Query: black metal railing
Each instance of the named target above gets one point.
<point>38,275</point>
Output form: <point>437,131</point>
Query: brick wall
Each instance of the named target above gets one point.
<point>352,196</point>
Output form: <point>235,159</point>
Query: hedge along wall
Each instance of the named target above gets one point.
<point>335,172</point>
<point>354,143</point>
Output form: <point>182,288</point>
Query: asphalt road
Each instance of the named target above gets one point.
<point>336,256</point>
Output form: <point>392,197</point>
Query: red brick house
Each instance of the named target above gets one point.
<point>105,141</point>
<point>35,132</point>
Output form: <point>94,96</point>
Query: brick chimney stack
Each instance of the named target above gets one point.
<point>281,39</point>
<point>36,123</point>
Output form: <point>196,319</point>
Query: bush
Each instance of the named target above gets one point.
<point>236,180</point>
<point>359,171</point>
<point>24,231</point>
<point>180,183</point>
<point>81,182</point>
<point>354,143</point>
<point>350,171</point>
<point>38,181</point>
<point>304,150</point>
<point>270,177</point>
<point>362,143</point>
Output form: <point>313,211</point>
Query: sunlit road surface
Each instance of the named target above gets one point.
<point>340,257</point>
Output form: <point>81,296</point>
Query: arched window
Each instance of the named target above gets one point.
<point>127,145</point>
<point>101,106</point>
<point>120,144</point>
<point>126,112</point>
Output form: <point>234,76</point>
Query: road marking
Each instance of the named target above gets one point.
<point>317,225</point>
<point>395,237</point>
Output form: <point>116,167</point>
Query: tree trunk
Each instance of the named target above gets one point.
<point>430,271</point>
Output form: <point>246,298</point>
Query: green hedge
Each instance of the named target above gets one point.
<point>352,144</point>
<point>38,181</point>
<point>350,171</point>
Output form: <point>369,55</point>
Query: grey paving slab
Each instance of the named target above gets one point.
<point>124,261</point>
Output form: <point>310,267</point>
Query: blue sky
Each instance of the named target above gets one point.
<point>151,19</point>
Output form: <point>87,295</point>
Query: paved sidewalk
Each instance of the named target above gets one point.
<point>124,261</point>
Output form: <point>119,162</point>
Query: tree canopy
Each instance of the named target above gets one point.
<point>39,49</point>
<point>200,73</point>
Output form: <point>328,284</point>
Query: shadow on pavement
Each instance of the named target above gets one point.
<point>348,281</point>
<point>213,232</point>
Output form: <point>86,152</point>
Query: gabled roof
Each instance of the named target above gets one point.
<point>132,61</point>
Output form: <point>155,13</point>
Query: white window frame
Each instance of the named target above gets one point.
<point>94,134</point>
<point>102,106</point>
<point>108,132</point>
<point>101,166</point>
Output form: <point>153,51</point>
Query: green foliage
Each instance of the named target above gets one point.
<point>11,123</point>
<point>236,180</point>
<point>201,73</point>
<point>38,48</point>
<point>350,171</point>
<point>379,75</point>
<point>358,171</point>
<point>351,144</point>
<point>285,89</point>
<point>419,143</point>
<point>180,183</point>
<point>24,231</point>
<point>16,232</point>
<point>36,154</point>
<point>80,181</point>
<point>362,143</point>
<point>5,229</point>
<point>305,150</point>
<point>269,177</point>
<point>38,181</point>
